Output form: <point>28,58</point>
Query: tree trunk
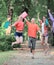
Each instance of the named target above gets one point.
<point>10,10</point>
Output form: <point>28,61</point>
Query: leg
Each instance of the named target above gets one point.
<point>33,47</point>
<point>46,45</point>
<point>8,30</point>
<point>17,41</point>
<point>20,39</point>
<point>43,42</point>
<point>29,44</point>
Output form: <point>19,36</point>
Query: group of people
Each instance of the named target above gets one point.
<point>33,28</point>
<point>32,32</point>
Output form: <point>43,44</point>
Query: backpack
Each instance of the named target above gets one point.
<point>47,24</point>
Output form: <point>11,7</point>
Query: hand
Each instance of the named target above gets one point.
<point>39,32</point>
<point>48,10</point>
<point>24,18</point>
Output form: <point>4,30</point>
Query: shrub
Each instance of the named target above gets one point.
<point>5,42</point>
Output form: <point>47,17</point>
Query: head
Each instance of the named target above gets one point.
<point>33,20</point>
<point>44,18</point>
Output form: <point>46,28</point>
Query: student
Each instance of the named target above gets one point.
<point>19,25</point>
<point>44,38</point>
<point>32,34</point>
<point>7,26</point>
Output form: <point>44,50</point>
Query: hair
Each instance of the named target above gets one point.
<point>42,18</point>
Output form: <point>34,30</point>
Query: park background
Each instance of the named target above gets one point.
<point>14,8</point>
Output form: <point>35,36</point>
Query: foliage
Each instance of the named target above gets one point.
<point>5,56</point>
<point>32,7</point>
<point>5,42</point>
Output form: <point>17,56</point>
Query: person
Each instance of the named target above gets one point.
<point>52,19</point>
<point>32,34</point>
<point>7,26</point>
<point>44,38</point>
<point>19,25</point>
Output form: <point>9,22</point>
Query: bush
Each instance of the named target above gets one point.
<point>17,46</point>
<point>5,42</point>
<point>5,46</point>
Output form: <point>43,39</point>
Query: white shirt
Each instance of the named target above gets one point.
<point>42,28</point>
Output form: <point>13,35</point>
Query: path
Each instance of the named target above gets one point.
<point>23,57</point>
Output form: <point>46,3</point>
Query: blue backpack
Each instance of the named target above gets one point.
<point>46,22</point>
<point>7,24</point>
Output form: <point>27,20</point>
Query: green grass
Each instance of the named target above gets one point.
<point>5,56</point>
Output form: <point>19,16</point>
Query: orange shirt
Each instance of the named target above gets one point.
<point>32,29</point>
<point>19,26</point>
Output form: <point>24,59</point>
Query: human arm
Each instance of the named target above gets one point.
<point>50,15</point>
<point>25,19</point>
<point>39,20</point>
<point>27,22</point>
<point>38,17</point>
<point>14,24</point>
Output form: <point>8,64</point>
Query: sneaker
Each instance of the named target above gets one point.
<point>32,57</point>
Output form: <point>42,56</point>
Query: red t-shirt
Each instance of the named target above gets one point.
<point>32,29</point>
<point>19,26</point>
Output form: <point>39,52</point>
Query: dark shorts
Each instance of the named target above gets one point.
<point>18,34</point>
<point>32,42</point>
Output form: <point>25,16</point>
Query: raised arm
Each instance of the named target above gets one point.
<point>38,17</point>
<point>39,20</point>
<point>51,16</point>
<point>25,19</point>
<point>27,22</point>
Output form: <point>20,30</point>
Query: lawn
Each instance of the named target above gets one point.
<point>5,56</point>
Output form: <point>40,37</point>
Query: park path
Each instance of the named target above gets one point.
<point>23,57</point>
